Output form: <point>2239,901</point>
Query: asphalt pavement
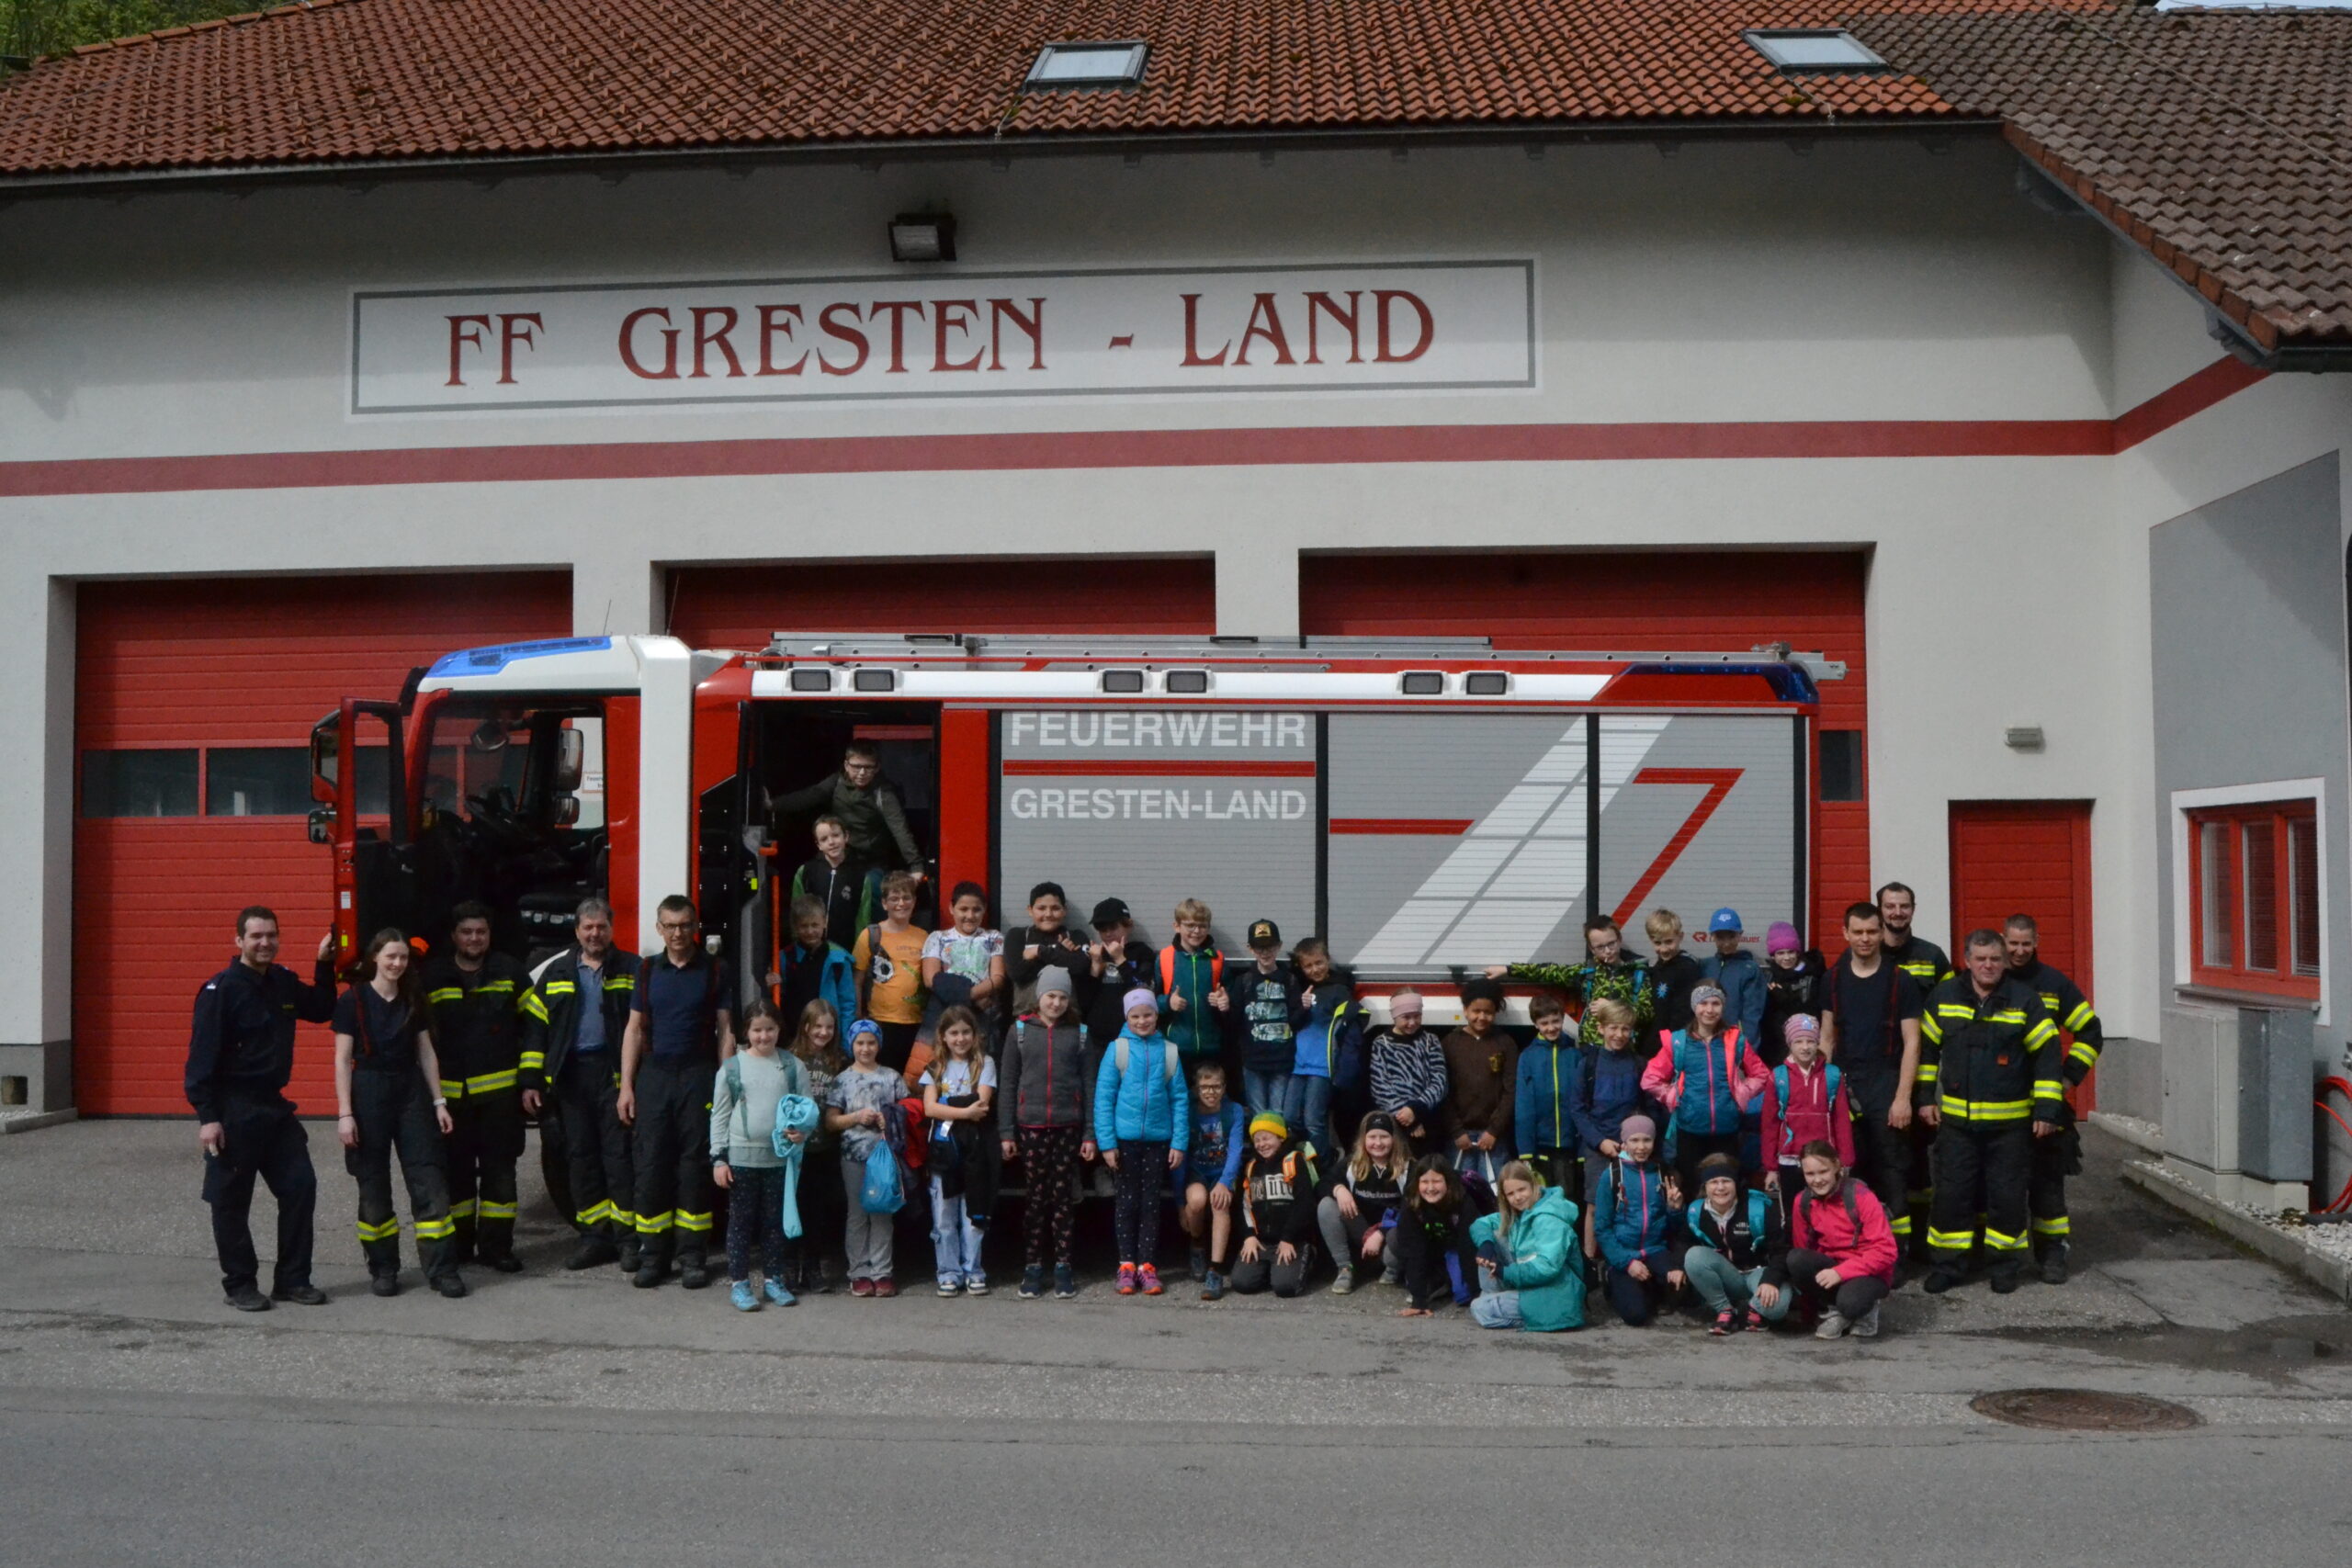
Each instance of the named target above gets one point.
<point>552,1418</point>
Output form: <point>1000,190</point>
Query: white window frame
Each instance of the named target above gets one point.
<point>2185,901</point>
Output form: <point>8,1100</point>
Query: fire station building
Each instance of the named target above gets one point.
<point>1938,343</point>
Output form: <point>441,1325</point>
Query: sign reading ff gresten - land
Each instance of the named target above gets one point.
<point>1276,329</point>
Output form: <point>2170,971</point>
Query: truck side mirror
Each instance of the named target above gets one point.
<point>323,824</point>
<point>570,757</point>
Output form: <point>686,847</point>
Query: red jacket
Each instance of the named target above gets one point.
<point>1820,1224</point>
<point>1811,1113</point>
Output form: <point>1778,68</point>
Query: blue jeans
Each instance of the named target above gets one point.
<point>1307,1109</point>
<point>954,1240</point>
<point>1267,1091</point>
<point>1495,1307</point>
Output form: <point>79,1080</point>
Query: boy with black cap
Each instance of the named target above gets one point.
<point>1259,1005</point>
<point>1116,963</point>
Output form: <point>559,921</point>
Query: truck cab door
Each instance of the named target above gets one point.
<point>375,868</point>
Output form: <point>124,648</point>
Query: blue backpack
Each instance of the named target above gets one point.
<point>883,1194</point>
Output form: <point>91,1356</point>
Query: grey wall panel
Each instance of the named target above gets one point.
<point>1743,855</point>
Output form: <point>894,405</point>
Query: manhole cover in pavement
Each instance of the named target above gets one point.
<point>2083,1410</point>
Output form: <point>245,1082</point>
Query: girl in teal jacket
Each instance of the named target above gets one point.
<point>1524,1258</point>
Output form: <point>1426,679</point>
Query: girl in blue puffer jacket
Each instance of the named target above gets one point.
<point>1143,1124</point>
<point>1638,1219</point>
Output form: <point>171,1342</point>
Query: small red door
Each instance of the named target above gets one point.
<point>2028,857</point>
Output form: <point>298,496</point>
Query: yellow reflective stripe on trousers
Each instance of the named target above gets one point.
<point>693,1222</point>
<point>491,1083</point>
<point>436,1230</point>
<point>464,1210</point>
<point>1952,1241</point>
<point>1900,1225</point>
<point>655,1225</point>
<point>2000,1241</point>
<point>2061,1226</point>
<point>623,1218</point>
<point>602,1211</point>
<point>490,1211</point>
<point>385,1231</point>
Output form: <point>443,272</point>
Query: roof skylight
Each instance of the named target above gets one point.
<point>1813,49</point>
<point>1088,65</point>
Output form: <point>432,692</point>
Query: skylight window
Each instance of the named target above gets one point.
<point>1813,49</point>
<point>1088,65</point>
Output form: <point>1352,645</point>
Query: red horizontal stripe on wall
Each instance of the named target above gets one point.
<point>1160,770</point>
<point>1403,827</point>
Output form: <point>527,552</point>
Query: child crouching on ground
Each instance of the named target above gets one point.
<point>1738,1254</point>
<point>1277,1211</point>
<point>1356,1201</point>
<point>1841,1250</point>
<point>1529,1277</point>
<point>1635,1221</point>
<point>1430,1233</point>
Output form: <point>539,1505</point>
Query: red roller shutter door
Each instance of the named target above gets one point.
<point>2027,857</point>
<point>1638,602</point>
<point>213,681</point>
<point>741,607</point>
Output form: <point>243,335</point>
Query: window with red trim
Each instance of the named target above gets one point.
<point>2253,877</point>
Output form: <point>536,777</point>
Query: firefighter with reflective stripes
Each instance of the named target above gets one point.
<point>574,1020</point>
<point>1928,966</point>
<point>1990,1080</point>
<point>387,1101</point>
<point>2054,1159</point>
<point>474,1002</point>
<point>681,1026</point>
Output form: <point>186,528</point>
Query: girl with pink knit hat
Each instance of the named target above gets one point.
<point>1795,981</point>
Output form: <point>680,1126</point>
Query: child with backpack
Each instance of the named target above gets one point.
<point>1328,1060</point>
<point>1543,1127</point>
<point>1192,996</point>
<point>811,968</point>
<point>1738,1253</point>
<point>1527,1276</point>
<point>963,963</point>
<point>1143,1124</point>
<point>1277,1210</point>
<point>750,1086</point>
<point>889,960</point>
<point>1042,1096</point>
<point>1609,1090</point>
<point>862,1111</point>
<point>1211,1177</point>
<point>1638,1223</point>
<point>1430,1234</point>
<point>1707,1076</point>
<point>817,1045</point>
<point>1804,1102</point>
<point>1357,1198</point>
<point>1841,1249</point>
<point>957,1088</point>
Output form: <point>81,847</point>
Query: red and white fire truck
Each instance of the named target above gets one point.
<point>1427,806</point>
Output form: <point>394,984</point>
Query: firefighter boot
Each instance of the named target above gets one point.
<point>2053,1264</point>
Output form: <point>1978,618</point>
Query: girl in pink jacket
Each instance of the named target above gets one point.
<point>1841,1250</point>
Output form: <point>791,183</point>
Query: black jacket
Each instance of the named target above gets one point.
<point>1062,949</point>
<point>1425,1240</point>
<point>1259,1013</point>
<point>1138,969</point>
<point>1787,992</point>
<point>850,893</point>
<point>477,1022</point>
<point>1278,1196</point>
<point>242,1041</point>
<point>1670,985</point>
<point>1741,1243</point>
<point>1990,1061</point>
<point>2071,1010</point>
<point>552,1014</point>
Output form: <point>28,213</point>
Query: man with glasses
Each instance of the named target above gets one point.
<point>681,1026</point>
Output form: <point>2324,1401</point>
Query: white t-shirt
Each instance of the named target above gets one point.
<point>955,1079</point>
<point>965,955</point>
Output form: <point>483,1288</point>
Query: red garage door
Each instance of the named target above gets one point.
<point>741,607</point>
<point>1610,601</point>
<point>194,710</point>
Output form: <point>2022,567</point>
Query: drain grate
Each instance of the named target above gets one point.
<point>2083,1410</point>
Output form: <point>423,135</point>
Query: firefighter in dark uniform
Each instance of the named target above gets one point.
<point>576,1016</point>
<point>2054,1159</point>
<point>1989,1077</point>
<point>681,1026</point>
<point>239,1055</point>
<point>1927,964</point>
<point>387,1085</point>
<point>474,1006</point>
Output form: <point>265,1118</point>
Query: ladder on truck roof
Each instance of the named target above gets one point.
<point>1082,651</point>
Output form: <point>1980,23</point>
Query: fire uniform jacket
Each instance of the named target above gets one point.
<point>1922,960</point>
<point>1990,1061</point>
<point>552,1014</point>
<point>2072,1011</point>
<point>242,1044</point>
<point>477,1024</point>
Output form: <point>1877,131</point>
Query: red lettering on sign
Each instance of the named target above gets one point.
<point>1388,297</point>
<point>669,371</point>
<point>707,336</point>
<point>512,330</point>
<point>772,326</point>
<point>1192,356</point>
<point>850,335</point>
<point>898,310</point>
<point>1318,304</point>
<point>1266,325</point>
<point>944,322</point>
<point>465,332</point>
<point>1032,326</point>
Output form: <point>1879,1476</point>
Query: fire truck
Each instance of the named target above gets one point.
<point>1427,806</point>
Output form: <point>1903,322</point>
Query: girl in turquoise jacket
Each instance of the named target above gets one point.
<point>1524,1253</point>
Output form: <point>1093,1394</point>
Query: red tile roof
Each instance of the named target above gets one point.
<point>2216,140</point>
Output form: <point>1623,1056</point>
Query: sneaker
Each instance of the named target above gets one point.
<point>381,1284</point>
<point>594,1253</point>
<point>248,1298</point>
<point>304,1294</point>
<point>951,1287</point>
<point>2053,1266</point>
<point>1212,1288</point>
<point>2005,1281</point>
<point>450,1285</point>
<point>744,1298</point>
<point>1393,1277</point>
<point>1147,1280</point>
<point>1755,1324</point>
<point>1346,1283</point>
<point>976,1285</point>
<point>1866,1325</point>
<point>1065,1282</point>
<point>1126,1279</point>
<point>1033,1283</point>
<point>885,1289</point>
<point>1200,1263</point>
<point>1726,1321</point>
<point>779,1292</point>
<point>861,1287</point>
<point>1833,1326</point>
<point>1938,1280</point>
